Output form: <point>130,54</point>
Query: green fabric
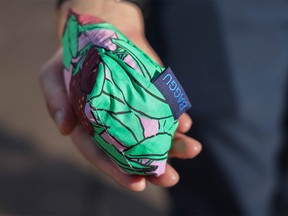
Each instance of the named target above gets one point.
<point>109,83</point>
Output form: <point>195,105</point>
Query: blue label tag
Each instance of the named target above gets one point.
<point>173,92</point>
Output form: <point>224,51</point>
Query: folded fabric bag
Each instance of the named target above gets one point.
<point>128,103</point>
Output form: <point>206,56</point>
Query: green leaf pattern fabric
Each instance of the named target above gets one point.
<point>108,80</point>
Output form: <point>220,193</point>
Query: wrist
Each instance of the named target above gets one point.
<point>124,15</point>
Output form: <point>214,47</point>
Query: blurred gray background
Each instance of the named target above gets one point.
<point>41,172</point>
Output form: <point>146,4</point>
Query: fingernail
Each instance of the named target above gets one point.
<point>197,148</point>
<point>138,186</point>
<point>58,118</point>
<point>174,176</point>
<point>187,125</point>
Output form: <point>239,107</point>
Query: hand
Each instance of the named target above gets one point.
<point>51,78</point>
<point>59,107</point>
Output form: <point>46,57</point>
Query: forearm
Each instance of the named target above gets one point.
<point>142,4</point>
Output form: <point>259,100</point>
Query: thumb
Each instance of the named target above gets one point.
<point>56,98</point>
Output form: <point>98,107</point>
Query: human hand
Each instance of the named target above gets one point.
<point>59,107</point>
<point>61,111</point>
<point>183,147</point>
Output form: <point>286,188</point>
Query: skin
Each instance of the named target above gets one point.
<point>52,83</point>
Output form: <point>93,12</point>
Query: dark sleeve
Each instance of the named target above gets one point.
<point>143,4</point>
<point>60,2</point>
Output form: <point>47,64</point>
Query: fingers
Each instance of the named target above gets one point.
<point>185,123</point>
<point>184,147</point>
<point>92,153</point>
<point>168,179</point>
<point>52,83</point>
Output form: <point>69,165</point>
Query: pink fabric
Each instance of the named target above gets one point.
<point>102,38</point>
<point>88,113</point>
<point>83,40</point>
<point>130,61</point>
<point>67,79</point>
<point>107,75</point>
<point>112,141</point>
<point>144,161</point>
<point>68,75</point>
<point>99,37</point>
<point>161,167</point>
<point>84,19</point>
<point>150,126</point>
